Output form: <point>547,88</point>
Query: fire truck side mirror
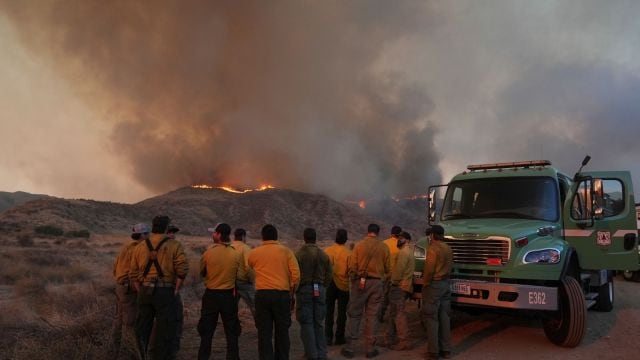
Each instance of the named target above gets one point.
<point>431,216</point>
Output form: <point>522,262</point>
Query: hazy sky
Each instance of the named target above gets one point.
<point>119,100</point>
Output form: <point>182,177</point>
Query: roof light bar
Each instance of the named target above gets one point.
<point>519,164</point>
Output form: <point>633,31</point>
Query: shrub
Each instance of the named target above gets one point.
<point>78,233</point>
<point>49,230</point>
<point>25,240</point>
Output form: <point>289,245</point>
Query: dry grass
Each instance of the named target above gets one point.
<point>57,301</point>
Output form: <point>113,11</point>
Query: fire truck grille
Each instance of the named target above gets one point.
<point>478,251</point>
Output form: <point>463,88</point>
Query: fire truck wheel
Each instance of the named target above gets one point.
<point>604,302</point>
<point>566,327</point>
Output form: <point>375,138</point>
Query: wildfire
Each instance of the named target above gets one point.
<point>361,203</point>
<point>411,197</point>
<point>230,189</point>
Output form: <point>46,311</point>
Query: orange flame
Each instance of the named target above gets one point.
<point>362,204</point>
<point>230,189</point>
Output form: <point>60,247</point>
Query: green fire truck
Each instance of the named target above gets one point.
<point>527,238</point>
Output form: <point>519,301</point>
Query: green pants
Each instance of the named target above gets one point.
<point>436,306</point>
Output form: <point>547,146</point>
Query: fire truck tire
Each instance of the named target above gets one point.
<point>604,302</point>
<point>631,275</point>
<point>567,326</point>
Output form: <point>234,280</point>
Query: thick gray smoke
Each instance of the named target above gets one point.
<point>347,98</point>
<point>246,92</point>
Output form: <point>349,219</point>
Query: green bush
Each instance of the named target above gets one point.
<point>78,234</point>
<point>49,230</point>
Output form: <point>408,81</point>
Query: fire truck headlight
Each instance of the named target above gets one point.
<point>419,252</point>
<point>546,256</point>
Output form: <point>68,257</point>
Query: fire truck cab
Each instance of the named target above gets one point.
<point>526,237</point>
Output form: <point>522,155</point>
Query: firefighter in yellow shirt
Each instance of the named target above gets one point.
<point>277,276</point>
<point>391,243</point>
<point>220,266</point>
<point>368,267</point>
<point>126,307</point>
<point>436,295</point>
<point>338,290</point>
<point>401,288</point>
<point>245,287</point>
<point>158,268</point>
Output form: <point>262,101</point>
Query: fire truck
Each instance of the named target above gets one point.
<point>527,238</point>
<point>628,274</point>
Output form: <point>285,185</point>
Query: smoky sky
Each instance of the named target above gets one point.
<point>244,93</point>
<point>345,98</point>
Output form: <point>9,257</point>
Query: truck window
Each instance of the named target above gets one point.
<point>609,197</point>
<point>612,200</point>
<point>519,198</point>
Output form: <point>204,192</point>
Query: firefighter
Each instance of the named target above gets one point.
<point>391,243</point>
<point>338,290</point>
<point>436,295</point>
<point>220,266</point>
<point>126,308</point>
<point>277,276</point>
<point>175,346</point>
<point>311,307</point>
<point>245,287</point>
<point>369,265</point>
<point>400,290</point>
<point>158,268</point>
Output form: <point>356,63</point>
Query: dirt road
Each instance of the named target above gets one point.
<point>612,335</point>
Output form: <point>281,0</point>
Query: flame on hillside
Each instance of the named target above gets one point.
<point>411,197</point>
<point>361,203</point>
<point>230,189</point>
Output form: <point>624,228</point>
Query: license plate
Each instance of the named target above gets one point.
<point>461,288</point>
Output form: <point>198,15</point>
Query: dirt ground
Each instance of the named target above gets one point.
<point>610,335</point>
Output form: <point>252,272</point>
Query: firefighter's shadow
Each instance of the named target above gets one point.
<point>470,330</point>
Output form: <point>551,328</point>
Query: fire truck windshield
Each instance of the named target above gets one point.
<point>513,197</point>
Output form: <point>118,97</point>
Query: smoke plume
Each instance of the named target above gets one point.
<point>246,92</point>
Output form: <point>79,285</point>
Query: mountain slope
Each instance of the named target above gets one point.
<point>9,200</point>
<point>194,210</point>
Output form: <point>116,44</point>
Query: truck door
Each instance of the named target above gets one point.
<point>600,220</point>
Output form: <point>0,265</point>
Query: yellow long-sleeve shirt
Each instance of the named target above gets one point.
<point>247,274</point>
<point>402,274</point>
<point>171,257</point>
<point>339,258</point>
<point>370,257</point>
<point>392,244</point>
<point>275,266</point>
<point>220,265</point>
<point>438,263</point>
<point>122,263</point>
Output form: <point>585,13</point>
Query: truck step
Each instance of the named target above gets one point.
<point>584,277</point>
<point>590,303</point>
<point>590,296</point>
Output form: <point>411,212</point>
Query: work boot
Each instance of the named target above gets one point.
<point>373,353</point>
<point>347,353</point>
<point>445,354</point>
